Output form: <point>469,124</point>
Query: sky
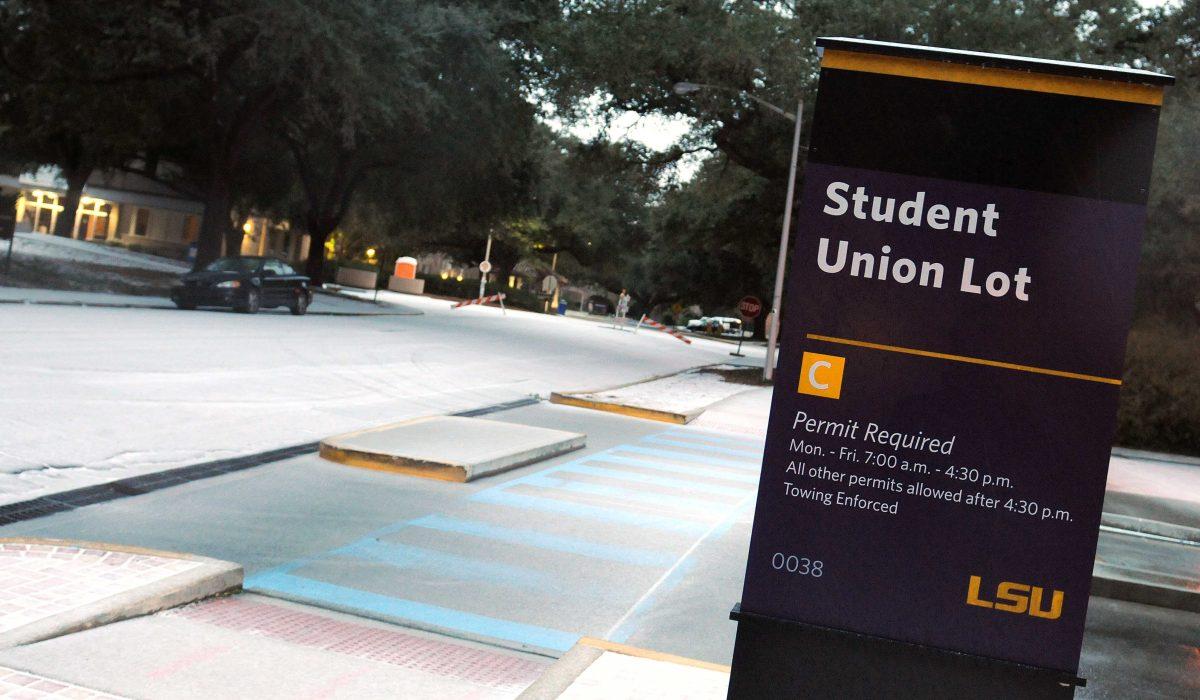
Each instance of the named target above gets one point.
<point>660,133</point>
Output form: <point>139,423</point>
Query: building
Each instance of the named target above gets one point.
<point>137,212</point>
<point>262,236</point>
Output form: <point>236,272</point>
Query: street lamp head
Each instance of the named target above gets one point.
<point>685,88</point>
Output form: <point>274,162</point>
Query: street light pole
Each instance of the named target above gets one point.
<point>781,263</point>
<point>487,258</point>
<point>685,88</point>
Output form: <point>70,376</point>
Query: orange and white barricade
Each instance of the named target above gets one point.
<point>669,331</point>
<point>484,300</point>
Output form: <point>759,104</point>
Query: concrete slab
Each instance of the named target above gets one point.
<point>676,398</point>
<point>449,448</point>
<point>54,587</point>
<point>596,669</point>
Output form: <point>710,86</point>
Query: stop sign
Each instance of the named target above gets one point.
<point>749,307</point>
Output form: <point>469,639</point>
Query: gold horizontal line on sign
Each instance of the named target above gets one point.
<point>993,77</point>
<point>964,358</point>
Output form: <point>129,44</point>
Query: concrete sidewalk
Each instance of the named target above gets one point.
<point>595,669</point>
<point>53,587</point>
<point>249,646</point>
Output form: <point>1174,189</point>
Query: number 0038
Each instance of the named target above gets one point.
<point>801,566</point>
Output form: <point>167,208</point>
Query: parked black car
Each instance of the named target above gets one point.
<point>245,284</point>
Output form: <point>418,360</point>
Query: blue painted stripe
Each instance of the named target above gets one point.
<point>693,445</point>
<point>542,540</point>
<point>581,510</point>
<point>741,477</point>
<point>621,634</point>
<point>446,565</point>
<point>694,434</point>
<point>344,597</point>
<point>627,628</point>
<point>690,507</point>
<point>641,478</point>
<point>743,465</point>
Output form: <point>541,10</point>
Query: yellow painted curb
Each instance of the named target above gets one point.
<point>396,465</point>
<point>627,650</point>
<point>623,409</point>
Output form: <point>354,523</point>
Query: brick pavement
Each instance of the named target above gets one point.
<point>496,670</point>
<point>20,685</point>
<point>43,580</point>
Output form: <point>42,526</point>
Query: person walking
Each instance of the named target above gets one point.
<point>622,308</point>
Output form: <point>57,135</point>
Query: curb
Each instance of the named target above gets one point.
<point>339,294</point>
<point>162,307</point>
<point>625,409</point>
<point>1129,453</point>
<point>94,304</point>
<point>574,398</point>
<point>1145,587</point>
<point>214,577</point>
<point>420,462</point>
<point>1131,525</point>
<point>564,672</point>
<point>385,463</point>
<point>143,483</point>
<point>62,501</point>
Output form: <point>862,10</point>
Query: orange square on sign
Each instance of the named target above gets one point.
<point>821,375</point>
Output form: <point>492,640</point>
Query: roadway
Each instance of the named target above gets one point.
<point>640,538</point>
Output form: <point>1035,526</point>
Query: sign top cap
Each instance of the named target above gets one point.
<point>995,60</point>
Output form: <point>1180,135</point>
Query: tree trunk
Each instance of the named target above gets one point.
<point>233,240</point>
<point>215,224</point>
<point>314,266</point>
<point>76,179</point>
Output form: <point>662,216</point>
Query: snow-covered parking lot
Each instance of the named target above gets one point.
<point>95,394</point>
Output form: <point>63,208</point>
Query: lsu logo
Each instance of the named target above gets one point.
<point>1017,598</point>
<point>821,375</point>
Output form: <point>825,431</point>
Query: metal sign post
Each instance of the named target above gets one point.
<point>486,266</point>
<point>748,308</point>
<point>781,261</point>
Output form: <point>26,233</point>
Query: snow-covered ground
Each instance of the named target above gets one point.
<point>65,251</point>
<point>321,304</point>
<point>95,394</point>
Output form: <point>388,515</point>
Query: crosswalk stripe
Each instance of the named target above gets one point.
<point>742,477</point>
<point>685,506</point>
<point>435,616</point>
<point>446,564</point>
<point>583,510</point>
<point>655,439</point>
<point>639,477</point>
<point>690,432</point>
<point>741,465</point>
<point>542,540</point>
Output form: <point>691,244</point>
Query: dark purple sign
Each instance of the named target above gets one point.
<point>953,339</point>
<point>940,432</point>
